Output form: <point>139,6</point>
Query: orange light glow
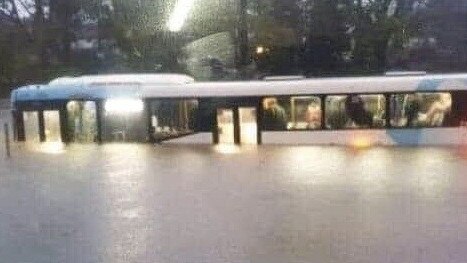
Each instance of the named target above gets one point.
<point>361,143</point>
<point>462,151</point>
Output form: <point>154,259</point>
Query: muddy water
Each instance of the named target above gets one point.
<point>139,203</point>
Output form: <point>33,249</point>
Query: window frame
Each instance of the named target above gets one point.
<point>454,124</point>
<point>289,99</point>
<point>387,96</point>
<point>148,113</point>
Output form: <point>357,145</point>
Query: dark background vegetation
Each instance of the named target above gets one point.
<point>229,39</point>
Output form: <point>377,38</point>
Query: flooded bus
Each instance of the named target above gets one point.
<point>396,109</point>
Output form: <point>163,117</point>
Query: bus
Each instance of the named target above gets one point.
<point>396,109</point>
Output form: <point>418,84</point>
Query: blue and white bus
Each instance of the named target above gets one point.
<point>170,108</point>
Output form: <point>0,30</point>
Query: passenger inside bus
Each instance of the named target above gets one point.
<point>313,116</point>
<point>274,117</point>
<point>356,111</point>
<point>420,109</point>
<point>438,110</point>
<point>412,107</point>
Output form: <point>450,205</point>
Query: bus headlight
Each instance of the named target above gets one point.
<point>120,106</point>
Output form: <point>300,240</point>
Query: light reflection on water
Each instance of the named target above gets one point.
<point>47,147</point>
<point>227,148</point>
<point>123,188</point>
<point>429,172</point>
<point>168,203</point>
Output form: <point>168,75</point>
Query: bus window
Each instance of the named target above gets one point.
<point>420,109</point>
<point>292,113</point>
<point>355,111</point>
<point>172,118</point>
<point>305,113</point>
<point>124,120</point>
<point>275,114</point>
<point>52,126</point>
<point>31,126</point>
<point>82,121</point>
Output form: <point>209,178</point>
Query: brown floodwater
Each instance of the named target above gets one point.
<point>143,203</point>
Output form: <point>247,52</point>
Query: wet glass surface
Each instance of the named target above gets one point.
<point>140,203</point>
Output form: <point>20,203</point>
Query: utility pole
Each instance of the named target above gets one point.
<point>6,130</point>
<point>243,45</point>
<point>100,56</point>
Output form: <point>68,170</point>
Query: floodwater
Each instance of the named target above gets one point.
<point>143,203</point>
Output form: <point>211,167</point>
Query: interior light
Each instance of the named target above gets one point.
<point>179,15</point>
<point>124,105</point>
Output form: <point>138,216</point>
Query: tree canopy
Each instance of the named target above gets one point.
<point>42,39</point>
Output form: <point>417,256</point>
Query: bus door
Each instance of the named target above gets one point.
<point>31,126</point>
<point>225,126</point>
<point>248,125</point>
<point>237,125</point>
<point>82,121</point>
<point>52,129</point>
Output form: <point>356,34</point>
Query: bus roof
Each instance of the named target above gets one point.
<point>341,85</point>
<point>125,79</point>
<point>172,85</point>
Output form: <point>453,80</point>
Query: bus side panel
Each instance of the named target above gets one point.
<point>428,136</point>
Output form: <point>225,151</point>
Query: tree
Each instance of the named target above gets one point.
<point>36,39</point>
<point>326,35</point>
<point>376,24</point>
<point>275,31</point>
<point>141,32</point>
<point>439,36</point>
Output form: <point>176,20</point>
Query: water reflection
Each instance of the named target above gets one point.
<point>169,203</point>
<point>226,148</point>
<point>372,171</point>
<point>372,168</point>
<point>435,171</point>
<point>49,147</point>
<point>123,179</point>
<point>304,165</point>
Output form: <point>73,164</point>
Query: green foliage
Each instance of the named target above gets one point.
<point>140,30</point>
<point>200,55</point>
<point>212,16</point>
<point>312,37</point>
<point>36,45</point>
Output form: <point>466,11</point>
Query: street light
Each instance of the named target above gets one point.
<point>179,15</point>
<point>260,50</point>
